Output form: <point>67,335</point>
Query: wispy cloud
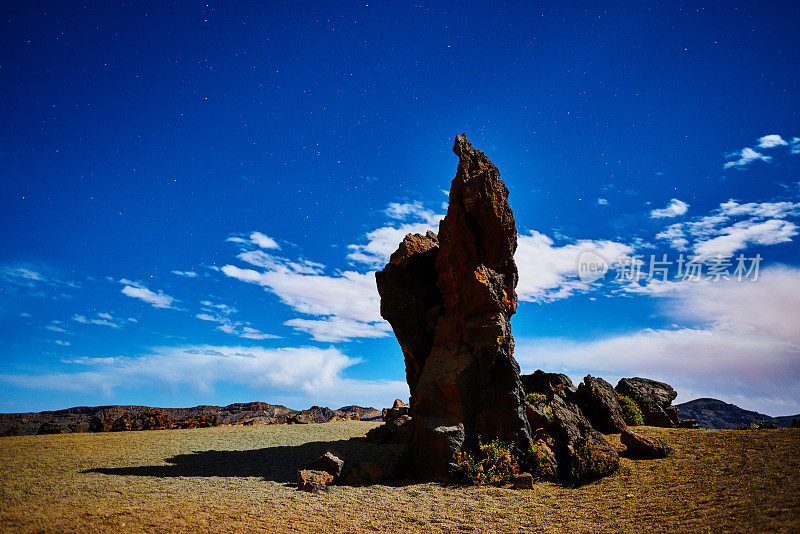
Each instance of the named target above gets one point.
<point>26,277</point>
<point>255,238</point>
<point>740,344</point>
<point>187,274</point>
<point>229,326</point>
<point>733,227</point>
<point>137,290</point>
<point>674,209</point>
<point>312,373</point>
<point>549,272</point>
<point>102,319</point>
<point>411,217</point>
<point>748,155</point>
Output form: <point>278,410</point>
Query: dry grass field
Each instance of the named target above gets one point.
<point>240,479</point>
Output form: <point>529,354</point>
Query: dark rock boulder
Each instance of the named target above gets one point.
<point>449,299</point>
<point>328,462</point>
<point>541,382</point>
<point>644,447</point>
<point>600,405</point>
<point>396,430</point>
<point>654,399</point>
<point>103,420</point>
<point>398,408</point>
<point>583,453</point>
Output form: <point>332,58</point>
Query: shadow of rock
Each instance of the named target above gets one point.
<point>277,464</point>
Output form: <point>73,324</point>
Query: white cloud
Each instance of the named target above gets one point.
<point>335,329</point>
<point>263,241</point>
<point>237,328</point>
<point>223,308</point>
<point>187,274</point>
<point>415,210</point>
<point>746,156</point>
<point>548,272</point>
<point>102,319</point>
<point>383,241</point>
<point>307,374</point>
<point>138,291</point>
<point>674,209</point>
<point>760,223</point>
<point>770,141</point>
<point>602,202</point>
<point>259,258</point>
<point>62,343</point>
<point>55,326</point>
<point>743,345</point>
<point>24,277</point>
<point>745,233</point>
<point>255,238</point>
<point>675,235</point>
<point>349,294</point>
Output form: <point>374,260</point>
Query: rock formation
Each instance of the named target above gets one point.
<point>541,382</point>
<point>449,299</point>
<point>654,399</point>
<point>600,405</point>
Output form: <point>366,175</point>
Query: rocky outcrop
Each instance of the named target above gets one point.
<point>642,446</point>
<point>582,452</point>
<point>397,427</point>
<point>654,399</point>
<point>449,299</point>
<point>541,382</point>
<point>600,405</point>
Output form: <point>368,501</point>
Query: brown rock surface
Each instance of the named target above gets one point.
<point>449,299</point>
<point>644,447</point>
<point>310,480</point>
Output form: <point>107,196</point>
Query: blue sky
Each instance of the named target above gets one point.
<point>194,197</point>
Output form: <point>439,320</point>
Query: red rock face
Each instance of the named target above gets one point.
<point>449,300</point>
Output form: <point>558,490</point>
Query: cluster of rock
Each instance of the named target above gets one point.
<point>449,298</point>
<point>116,418</point>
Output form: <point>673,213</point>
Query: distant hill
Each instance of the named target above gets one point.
<point>103,418</point>
<point>714,413</point>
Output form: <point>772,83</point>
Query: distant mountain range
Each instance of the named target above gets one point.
<point>714,413</point>
<point>104,418</point>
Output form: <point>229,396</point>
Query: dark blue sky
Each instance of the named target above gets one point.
<point>272,154</point>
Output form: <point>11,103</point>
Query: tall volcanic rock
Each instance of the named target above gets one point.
<point>449,299</point>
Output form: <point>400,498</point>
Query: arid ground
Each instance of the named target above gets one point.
<point>241,479</point>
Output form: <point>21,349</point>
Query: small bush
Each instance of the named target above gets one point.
<point>495,466</point>
<point>541,466</point>
<point>535,398</point>
<point>588,464</point>
<point>630,411</point>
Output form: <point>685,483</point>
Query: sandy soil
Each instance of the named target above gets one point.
<point>240,479</point>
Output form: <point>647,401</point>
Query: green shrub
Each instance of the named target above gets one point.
<point>535,398</point>
<point>630,411</point>
<point>494,466</point>
<point>541,466</point>
<point>588,464</point>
